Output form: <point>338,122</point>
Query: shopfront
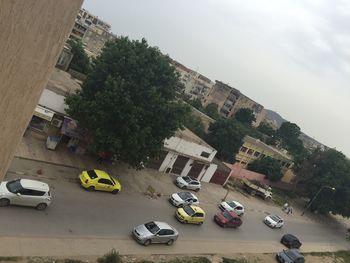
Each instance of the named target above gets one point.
<point>41,119</point>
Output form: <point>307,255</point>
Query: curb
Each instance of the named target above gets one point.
<point>47,162</point>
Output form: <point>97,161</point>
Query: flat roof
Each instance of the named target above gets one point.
<point>62,82</point>
<point>189,136</point>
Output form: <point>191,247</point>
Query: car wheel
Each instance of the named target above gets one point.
<point>253,193</point>
<point>170,242</point>
<point>4,202</point>
<point>185,222</point>
<point>115,191</point>
<point>147,242</point>
<point>41,206</point>
<point>90,188</point>
<point>200,223</point>
<point>197,189</point>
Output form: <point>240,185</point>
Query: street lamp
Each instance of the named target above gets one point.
<point>313,199</point>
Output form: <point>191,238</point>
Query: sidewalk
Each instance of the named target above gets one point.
<point>38,246</point>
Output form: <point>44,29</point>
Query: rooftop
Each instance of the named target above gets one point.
<point>62,83</point>
<point>189,136</point>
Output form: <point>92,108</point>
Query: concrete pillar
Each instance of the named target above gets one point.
<point>33,33</point>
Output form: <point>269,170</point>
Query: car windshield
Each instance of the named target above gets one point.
<point>189,210</point>
<point>232,204</point>
<point>187,179</point>
<point>92,174</point>
<point>185,195</point>
<point>291,254</point>
<point>227,215</point>
<point>275,218</point>
<point>152,227</point>
<point>14,186</point>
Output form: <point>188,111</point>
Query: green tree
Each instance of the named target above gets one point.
<point>212,111</point>
<point>195,124</point>
<point>80,61</point>
<point>128,102</point>
<point>226,137</point>
<point>327,168</point>
<point>197,104</point>
<point>245,116</point>
<point>267,166</point>
<point>266,129</point>
<point>288,132</point>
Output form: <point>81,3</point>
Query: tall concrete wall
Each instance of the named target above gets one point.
<point>33,33</point>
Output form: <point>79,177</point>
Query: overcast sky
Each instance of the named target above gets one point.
<point>291,56</point>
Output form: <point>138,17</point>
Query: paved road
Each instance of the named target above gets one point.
<point>76,213</point>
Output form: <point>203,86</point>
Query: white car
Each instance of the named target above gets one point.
<point>183,198</point>
<point>274,221</point>
<point>232,206</point>
<point>25,192</point>
<point>188,182</point>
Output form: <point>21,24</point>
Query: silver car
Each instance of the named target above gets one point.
<point>155,232</point>
<point>188,182</point>
<point>25,192</point>
<point>183,198</point>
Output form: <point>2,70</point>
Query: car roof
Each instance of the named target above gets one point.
<point>295,252</point>
<point>34,185</point>
<point>236,203</point>
<point>197,209</point>
<point>278,217</point>
<point>102,174</point>
<point>290,237</point>
<point>163,225</point>
<point>232,213</point>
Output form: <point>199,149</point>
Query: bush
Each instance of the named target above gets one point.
<point>191,260</point>
<point>110,257</point>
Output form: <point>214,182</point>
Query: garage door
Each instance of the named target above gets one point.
<point>179,164</point>
<point>219,177</point>
<point>196,169</point>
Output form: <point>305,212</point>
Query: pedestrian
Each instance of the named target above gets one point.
<point>285,207</point>
<point>290,211</point>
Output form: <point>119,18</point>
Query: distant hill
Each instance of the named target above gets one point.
<point>274,116</point>
<point>309,142</point>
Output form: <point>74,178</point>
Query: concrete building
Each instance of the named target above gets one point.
<point>253,149</point>
<point>65,58</point>
<point>29,52</point>
<point>230,100</point>
<point>92,31</point>
<point>196,85</point>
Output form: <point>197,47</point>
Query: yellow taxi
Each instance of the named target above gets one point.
<point>190,214</point>
<point>99,180</point>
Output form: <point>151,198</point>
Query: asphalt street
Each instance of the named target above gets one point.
<point>77,213</point>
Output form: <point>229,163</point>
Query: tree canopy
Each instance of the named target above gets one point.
<point>245,116</point>
<point>327,169</point>
<point>128,102</point>
<point>195,124</point>
<point>226,137</point>
<point>266,129</point>
<point>267,166</point>
<point>212,111</point>
<point>80,61</point>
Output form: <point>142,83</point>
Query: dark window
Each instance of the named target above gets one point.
<point>105,181</point>
<point>205,154</point>
<point>256,154</point>
<point>194,183</point>
<point>287,165</point>
<point>14,186</point>
<point>31,192</point>
<point>169,232</point>
<point>244,149</point>
<point>250,151</point>
<point>162,232</point>
<point>92,174</point>
<point>283,163</point>
<point>198,215</point>
<point>152,227</point>
<point>244,163</point>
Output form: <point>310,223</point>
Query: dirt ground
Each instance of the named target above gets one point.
<point>240,258</point>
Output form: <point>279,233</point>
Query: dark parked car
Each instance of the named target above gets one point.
<point>228,219</point>
<point>290,241</point>
<point>290,256</point>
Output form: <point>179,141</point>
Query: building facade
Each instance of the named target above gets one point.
<point>196,85</point>
<point>230,100</point>
<point>253,149</point>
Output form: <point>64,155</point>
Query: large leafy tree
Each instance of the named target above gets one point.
<point>245,116</point>
<point>267,166</point>
<point>128,102</point>
<point>266,129</point>
<point>288,132</point>
<point>212,111</point>
<point>327,169</point>
<point>80,61</point>
<point>226,136</point>
<point>195,124</point>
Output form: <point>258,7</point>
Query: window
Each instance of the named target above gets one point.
<point>105,181</point>
<point>152,227</point>
<point>243,163</point>
<point>250,151</point>
<point>199,215</point>
<point>283,163</point>
<point>195,183</point>
<point>169,232</point>
<point>256,154</point>
<point>92,174</point>
<point>31,192</point>
<point>243,149</point>
<point>162,232</point>
<point>205,154</point>
<point>287,165</point>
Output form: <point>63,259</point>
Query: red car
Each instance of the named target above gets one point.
<point>228,219</point>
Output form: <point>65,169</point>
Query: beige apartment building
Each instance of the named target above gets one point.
<point>196,85</point>
<point>253,149</point>
<point>230,100</point>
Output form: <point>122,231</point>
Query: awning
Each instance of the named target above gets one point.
<point>43,113</point>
